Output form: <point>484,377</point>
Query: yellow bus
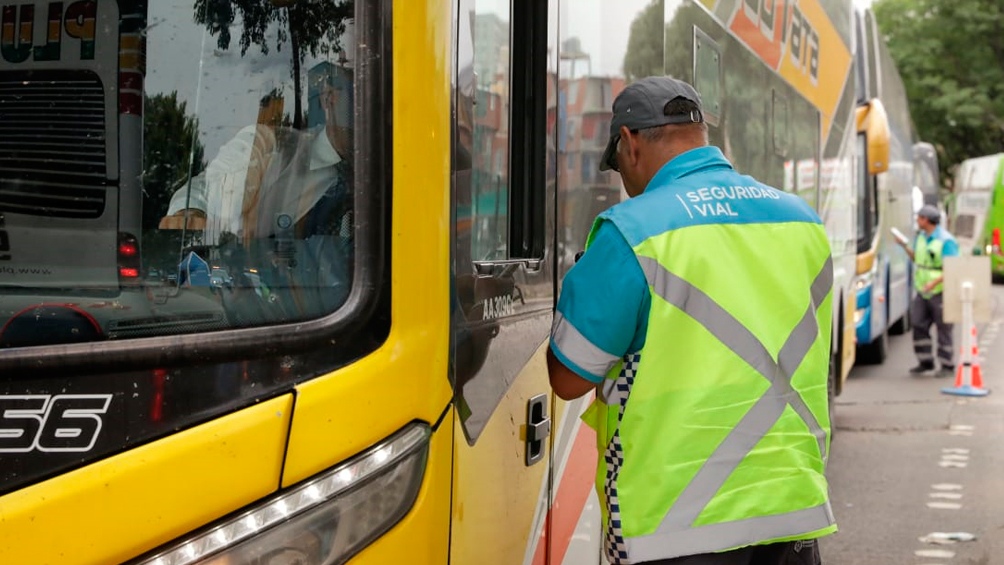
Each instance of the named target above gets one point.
<point>336,351</point>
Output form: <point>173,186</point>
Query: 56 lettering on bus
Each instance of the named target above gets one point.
<point>51,423</point>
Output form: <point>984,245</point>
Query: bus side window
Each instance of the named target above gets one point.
<point>707,75</point>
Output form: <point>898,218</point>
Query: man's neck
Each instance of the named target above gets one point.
<point>670,151</point>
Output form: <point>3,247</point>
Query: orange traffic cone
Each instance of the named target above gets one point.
<point>977,375</point>
<point>968,375</point>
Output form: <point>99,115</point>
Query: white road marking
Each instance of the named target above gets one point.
<point>951,457</point>
<point>944,505</point>
<point>958,450</point>
<point>937,553</point>
<point>946,486</point>
<point>947,495</point>
<point>954,464</point>
<point>962,428</point>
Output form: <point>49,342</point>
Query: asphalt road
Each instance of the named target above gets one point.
<point>909,461</point>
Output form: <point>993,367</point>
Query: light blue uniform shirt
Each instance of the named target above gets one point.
<point>950,248</point>
<point>605,297</point>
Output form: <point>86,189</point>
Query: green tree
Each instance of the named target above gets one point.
<point>171,153</point>
<point>950,55</point>
<point>644,55</point>
<point>308,26</point>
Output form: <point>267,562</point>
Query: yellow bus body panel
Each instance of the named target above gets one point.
<point>407,377</point>
<point>496,496</point>
<point>866,260</point>
<point>125,505</point>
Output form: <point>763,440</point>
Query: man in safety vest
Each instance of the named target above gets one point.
<point>930,247</point>
<point>700,315</point>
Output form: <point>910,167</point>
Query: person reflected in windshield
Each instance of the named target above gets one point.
<point>279,206</point>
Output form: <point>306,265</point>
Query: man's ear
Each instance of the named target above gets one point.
<point>630,145</point>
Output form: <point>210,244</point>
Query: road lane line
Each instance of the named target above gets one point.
<point>946,486</point>
<point>953,464</point>
<point>937,553</point>
<point>944,505</point>
<point>946,495</point>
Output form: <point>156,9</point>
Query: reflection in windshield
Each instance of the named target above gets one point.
<point>211,189</point>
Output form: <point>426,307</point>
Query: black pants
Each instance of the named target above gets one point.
<point>927,312</point>
<point>786,553</point>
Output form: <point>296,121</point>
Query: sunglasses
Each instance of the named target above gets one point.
<point>612,161</point>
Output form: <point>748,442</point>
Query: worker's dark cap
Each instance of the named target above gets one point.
<point>643,104</point>
<point>930,212</point>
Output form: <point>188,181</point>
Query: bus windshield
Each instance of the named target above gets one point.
<point>173,166</point>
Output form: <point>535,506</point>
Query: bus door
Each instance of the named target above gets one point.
<point>503,286</point>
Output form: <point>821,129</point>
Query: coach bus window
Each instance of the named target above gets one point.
<point>211,188</point>
<point>707,75</point>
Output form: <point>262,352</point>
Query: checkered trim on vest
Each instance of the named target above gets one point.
<point>614,544</point>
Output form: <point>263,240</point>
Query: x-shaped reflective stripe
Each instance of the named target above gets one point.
<point>769,408</point>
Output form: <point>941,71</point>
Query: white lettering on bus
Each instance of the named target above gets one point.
<point>497,307</point>
<point>17,23</point>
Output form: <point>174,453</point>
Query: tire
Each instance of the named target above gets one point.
<point>875,352</point>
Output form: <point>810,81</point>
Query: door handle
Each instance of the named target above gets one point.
<point>505,267</point>
<point>538,428</point>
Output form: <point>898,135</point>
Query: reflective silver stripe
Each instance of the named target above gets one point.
<point>788,359</point>
<point>732,534</point>
<point>608,393</point>
<point>757,421</point>
<point>713,317</point>
<point>580,350</point>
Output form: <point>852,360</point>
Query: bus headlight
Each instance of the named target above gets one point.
<point>322,521</point>
<point>863,281</point>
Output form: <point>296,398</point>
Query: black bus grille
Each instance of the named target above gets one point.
<point>53,158</point>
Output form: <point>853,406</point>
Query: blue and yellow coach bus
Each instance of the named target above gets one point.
<point>355,218</point>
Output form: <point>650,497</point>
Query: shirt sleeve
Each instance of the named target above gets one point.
<point>603,307</point>
<point>950,248</point>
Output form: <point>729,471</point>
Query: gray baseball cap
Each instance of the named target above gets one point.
<point>930,212</point>
<point>643,105</point>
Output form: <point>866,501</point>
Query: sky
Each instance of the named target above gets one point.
<point>222,87</point>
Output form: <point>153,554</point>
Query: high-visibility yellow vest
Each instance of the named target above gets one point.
<point>928,259</point>
<point>715,435</point>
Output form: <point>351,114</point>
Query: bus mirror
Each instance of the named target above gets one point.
<point>873,122</point>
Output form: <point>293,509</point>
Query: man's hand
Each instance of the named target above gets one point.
<point>566,384</point>
<point>184,219</point>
